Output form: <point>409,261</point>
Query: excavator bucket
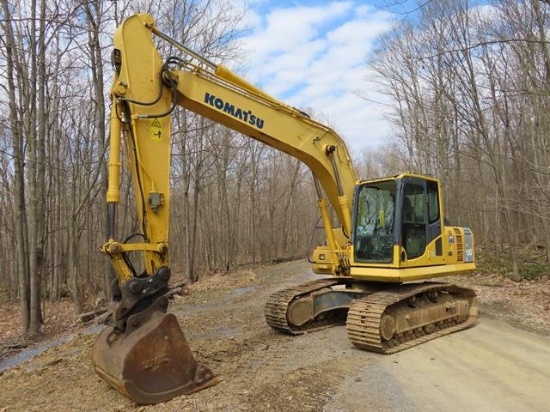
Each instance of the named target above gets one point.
<point>150,361</point>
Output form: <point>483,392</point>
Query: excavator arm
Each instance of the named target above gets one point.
<point>140,123</point>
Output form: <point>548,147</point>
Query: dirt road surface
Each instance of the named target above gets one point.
<point>491,367</point>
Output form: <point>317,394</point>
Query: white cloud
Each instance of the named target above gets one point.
<point>314,57</point>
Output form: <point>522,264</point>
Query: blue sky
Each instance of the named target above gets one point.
<point>312,55</point>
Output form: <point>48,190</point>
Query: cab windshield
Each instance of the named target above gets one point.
<point>374,220</point>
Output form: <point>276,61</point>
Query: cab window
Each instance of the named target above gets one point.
<point>374,222</point>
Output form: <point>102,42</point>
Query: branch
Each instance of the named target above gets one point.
<point>485,43</point>
<point>88,316</point>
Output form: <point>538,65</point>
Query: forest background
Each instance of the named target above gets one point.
<point>468,91</point>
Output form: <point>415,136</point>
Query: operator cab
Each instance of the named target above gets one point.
<point>395,219</point>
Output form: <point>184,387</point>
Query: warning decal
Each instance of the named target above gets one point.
<point>156,129</point>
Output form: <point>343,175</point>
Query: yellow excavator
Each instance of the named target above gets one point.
<point>391,234</point>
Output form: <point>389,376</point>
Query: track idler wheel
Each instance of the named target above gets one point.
<point>387,327</point>
<point>151,361</point>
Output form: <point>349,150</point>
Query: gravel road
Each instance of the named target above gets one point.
<point>492,367</point>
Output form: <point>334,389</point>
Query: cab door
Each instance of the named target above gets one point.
<point>421,216</point>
